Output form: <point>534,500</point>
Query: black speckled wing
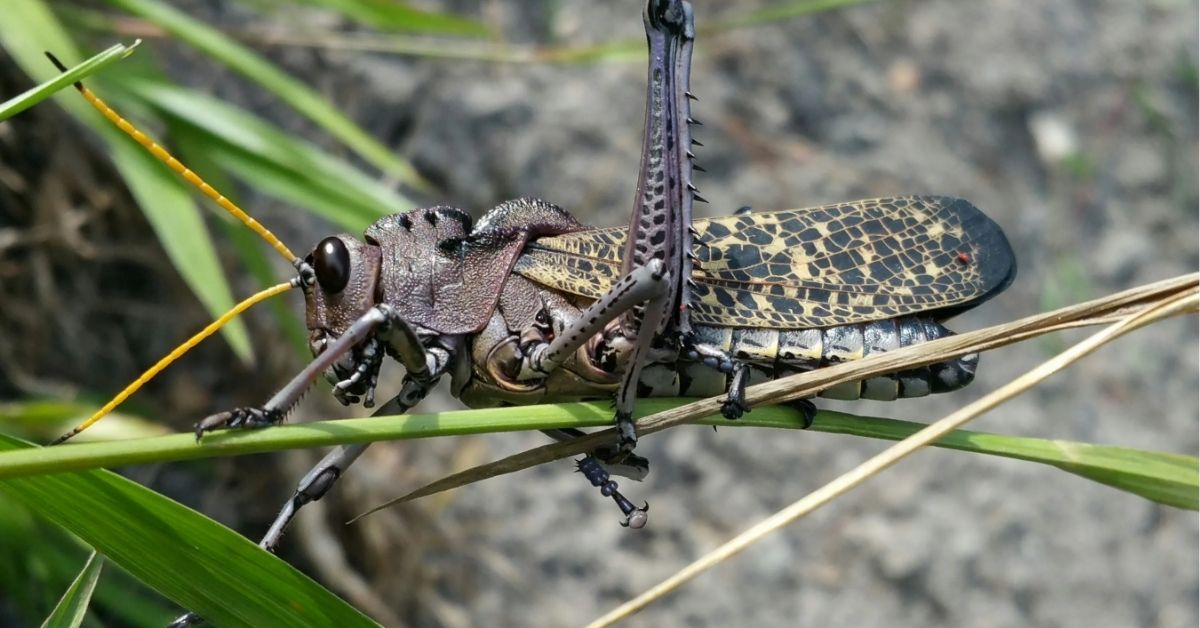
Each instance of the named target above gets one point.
<point>818,267</point>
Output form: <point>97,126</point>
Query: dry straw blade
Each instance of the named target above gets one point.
<point>1099,311</point>
<point>1182,303</point>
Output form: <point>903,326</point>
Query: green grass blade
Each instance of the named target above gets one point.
<point>1166,478</point>
<point>1170,479</point>
<point>272,161</point>
<point>778,12</point>
<point>28,29</point>
<point>398,16</point>
<point>193,560</point>
<point>71,609</point>
<point>38,561</point>
<point>34,95</point>
<point>289,90</point>
<point>45,419</point>
<point>175,218</point>
<point>249,247</point>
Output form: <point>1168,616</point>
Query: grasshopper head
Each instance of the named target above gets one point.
<point>347,273</point>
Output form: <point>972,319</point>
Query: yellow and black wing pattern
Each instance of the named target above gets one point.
<point>818,267</point>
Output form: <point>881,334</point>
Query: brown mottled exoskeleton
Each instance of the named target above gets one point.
<point>528,306</point>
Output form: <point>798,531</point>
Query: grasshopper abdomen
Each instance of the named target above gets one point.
<point>774,353</point>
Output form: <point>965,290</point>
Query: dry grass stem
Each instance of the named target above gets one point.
<point>1105,310</point>
<point>1185,302</point>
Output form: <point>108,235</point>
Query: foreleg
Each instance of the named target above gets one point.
<point>364,333</point>
<point>424,367</point>
<point>317,482</point>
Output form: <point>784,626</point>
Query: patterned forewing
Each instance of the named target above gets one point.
<point>831,265</point>
<point>587,265</point>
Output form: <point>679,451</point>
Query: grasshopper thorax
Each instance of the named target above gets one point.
<point>413,261</point>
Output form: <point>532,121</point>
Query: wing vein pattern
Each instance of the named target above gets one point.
<point>817,267</point>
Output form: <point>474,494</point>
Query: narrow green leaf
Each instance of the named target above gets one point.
<point>38,561</point>
<point>617,51</point>
<point>45,419</point>
<point>254,256</point>
<point>626,50</point>
<point>289,90</point>
<point>176,220</point>
<point>272,161</point>
<point>27,32</point>
<point>778,12</point>
<point>1166,478</point>
<point>1161,477</point>
<point>398,16</point>
<point>294,188</point>
<point>28,29</point>
<point>184,555</point>
<point>34,95</point>
<point>1170,479</point>
<point>33,413</point>
<point>73,606</point>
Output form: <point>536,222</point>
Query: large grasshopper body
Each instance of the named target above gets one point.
<point>489,295</point>
<point>773,294</point>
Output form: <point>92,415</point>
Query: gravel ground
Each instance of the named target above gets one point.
<point>1072,123</point>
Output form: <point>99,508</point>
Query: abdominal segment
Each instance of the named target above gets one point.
<point>777,353</point>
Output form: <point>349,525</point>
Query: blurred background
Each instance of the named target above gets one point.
<point>1072,123</point>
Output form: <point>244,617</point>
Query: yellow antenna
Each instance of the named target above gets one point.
<point>305,272</point>
<point>176,353</point>
<point>183,171</point>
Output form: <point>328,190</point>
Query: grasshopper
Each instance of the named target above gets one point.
<point>527,305</point>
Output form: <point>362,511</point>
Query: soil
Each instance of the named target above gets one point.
<point>1072,123</point>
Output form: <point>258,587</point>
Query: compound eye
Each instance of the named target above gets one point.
<point>331,260</point>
